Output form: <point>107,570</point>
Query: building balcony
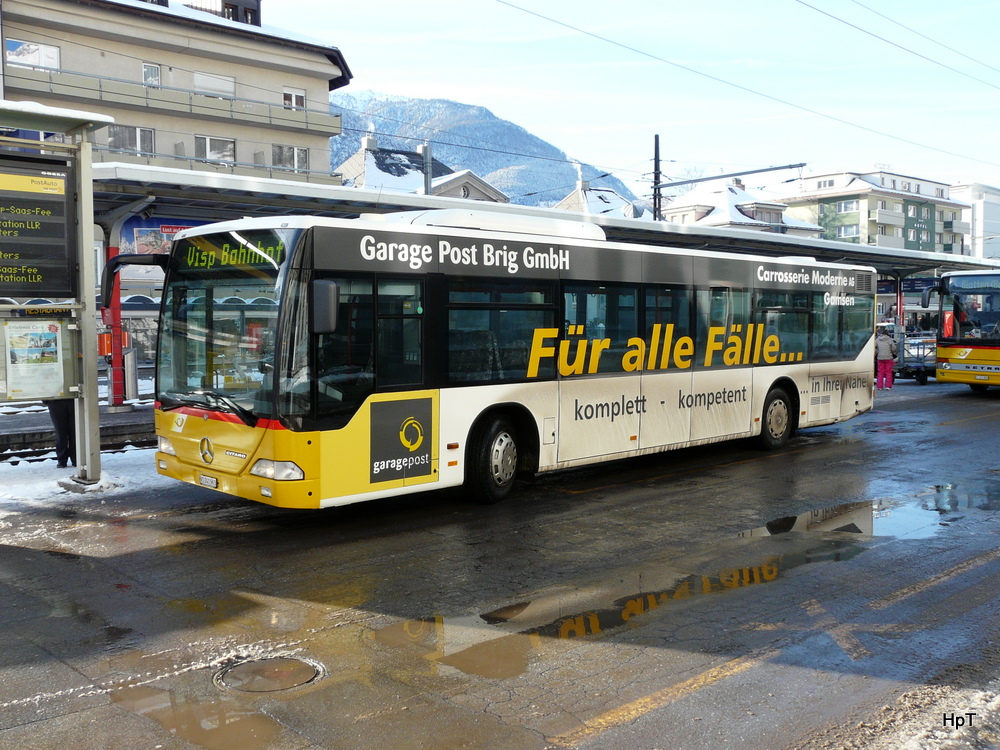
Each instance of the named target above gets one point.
<point>884,216</point>
<point>887,240</point>
<point>104,154</point>
<point>116,93</point>
<point>961,227</point>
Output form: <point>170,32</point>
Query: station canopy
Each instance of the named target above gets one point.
<point>179,194</point>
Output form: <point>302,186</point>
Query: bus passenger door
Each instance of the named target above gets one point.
<point>598,364</point>
<point>666,372</point>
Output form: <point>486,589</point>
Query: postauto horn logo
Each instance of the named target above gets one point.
<point>398,446</point>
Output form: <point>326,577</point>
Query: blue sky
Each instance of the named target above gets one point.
<point>727,85</point>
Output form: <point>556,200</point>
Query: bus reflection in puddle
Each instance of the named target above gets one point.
<point>497,644</point>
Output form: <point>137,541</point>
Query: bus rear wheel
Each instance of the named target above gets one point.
<point>493,461</point>
<point>777,418</point>
<point>978,387</point>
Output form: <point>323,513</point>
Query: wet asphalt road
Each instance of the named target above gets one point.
<point>709,598</point>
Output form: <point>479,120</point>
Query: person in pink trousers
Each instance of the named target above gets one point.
<point>885,358</point>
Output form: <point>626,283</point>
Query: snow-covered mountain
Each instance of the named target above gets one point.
<point>529,170</point>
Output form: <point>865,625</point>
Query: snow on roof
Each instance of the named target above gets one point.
<point>389,169</point>
<point>180,10</point>
<point>604,202</point>
<point>725,206</point>
<point>35,116</point>
<point>858,184</point>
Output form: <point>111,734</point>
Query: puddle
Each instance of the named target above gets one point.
<point>934,510</point>
<point>213,724</point>
<point>919,516</point>
<point>498,644</point>
<point>466,644</point>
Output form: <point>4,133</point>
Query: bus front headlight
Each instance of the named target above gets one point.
<point>165,446</point>
<point>282,471</point>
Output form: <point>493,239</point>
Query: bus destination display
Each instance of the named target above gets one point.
<point>35,255</point>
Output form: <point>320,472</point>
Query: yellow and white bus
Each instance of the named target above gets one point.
<point>399,353</point>
<point>968,328</point>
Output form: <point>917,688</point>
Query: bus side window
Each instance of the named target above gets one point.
<point>400,332</point>
<point>599,311</point>
<point>491,325</point>
<point>719,308</point>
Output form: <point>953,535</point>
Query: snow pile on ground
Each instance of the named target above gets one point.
<point>957,720</point>
<point>29,484</point>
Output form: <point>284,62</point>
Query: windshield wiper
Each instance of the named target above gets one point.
<point>211,400</point>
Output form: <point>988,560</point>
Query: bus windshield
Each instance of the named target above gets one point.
<point>216,344</point>
<point>971,308</point>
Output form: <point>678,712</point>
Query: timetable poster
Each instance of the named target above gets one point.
<point>35,359</point>
<point>35,249</point>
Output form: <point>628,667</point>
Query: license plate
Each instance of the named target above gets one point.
<point>205,481</point>
<point>982,377</point>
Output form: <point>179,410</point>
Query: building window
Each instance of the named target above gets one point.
<point>954,215</point>
<point>911,235</point>
<point>214,85</point>
<point>940,238</point>
<point>925,236</point>
<point>250,16</point>
<point>844,207</point>
<point>150,74</point>
<point>925,212</point>
<point>294,98</point>
<point>290,157</point>
<point>911,211</point>
<point>849,230</point>
<point>32,54</point>
<point>824,184</point>
<point>214,149</point>
<point>229,11</point>
<point>882,230</point>
<point>124,139</point>
<point>905,186</point>
<point>939,192</point>
<point>882,205</point>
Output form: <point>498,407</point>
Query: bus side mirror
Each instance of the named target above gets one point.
<point>325,303</point>
<point>114,264</point>
<point>925,300</point>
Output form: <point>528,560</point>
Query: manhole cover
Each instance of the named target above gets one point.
<point>269,675</point>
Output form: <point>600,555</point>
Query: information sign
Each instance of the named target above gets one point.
<point>36,257</point>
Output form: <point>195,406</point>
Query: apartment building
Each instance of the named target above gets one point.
<point>202,85</point>
<point>982,215</point>
<point>881,208</point>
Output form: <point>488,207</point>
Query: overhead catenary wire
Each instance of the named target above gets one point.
<point>746,89</point>
<point>894,44</point>
<point>924,36</point>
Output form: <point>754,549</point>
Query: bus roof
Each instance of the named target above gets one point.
<point>483,221</point>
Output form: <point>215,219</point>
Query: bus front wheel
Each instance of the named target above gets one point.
<point>777,427</point>
<point>493,461</point>
<point>978,387</point>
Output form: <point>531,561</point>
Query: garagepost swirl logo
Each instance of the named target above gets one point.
<point>411,434</point>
